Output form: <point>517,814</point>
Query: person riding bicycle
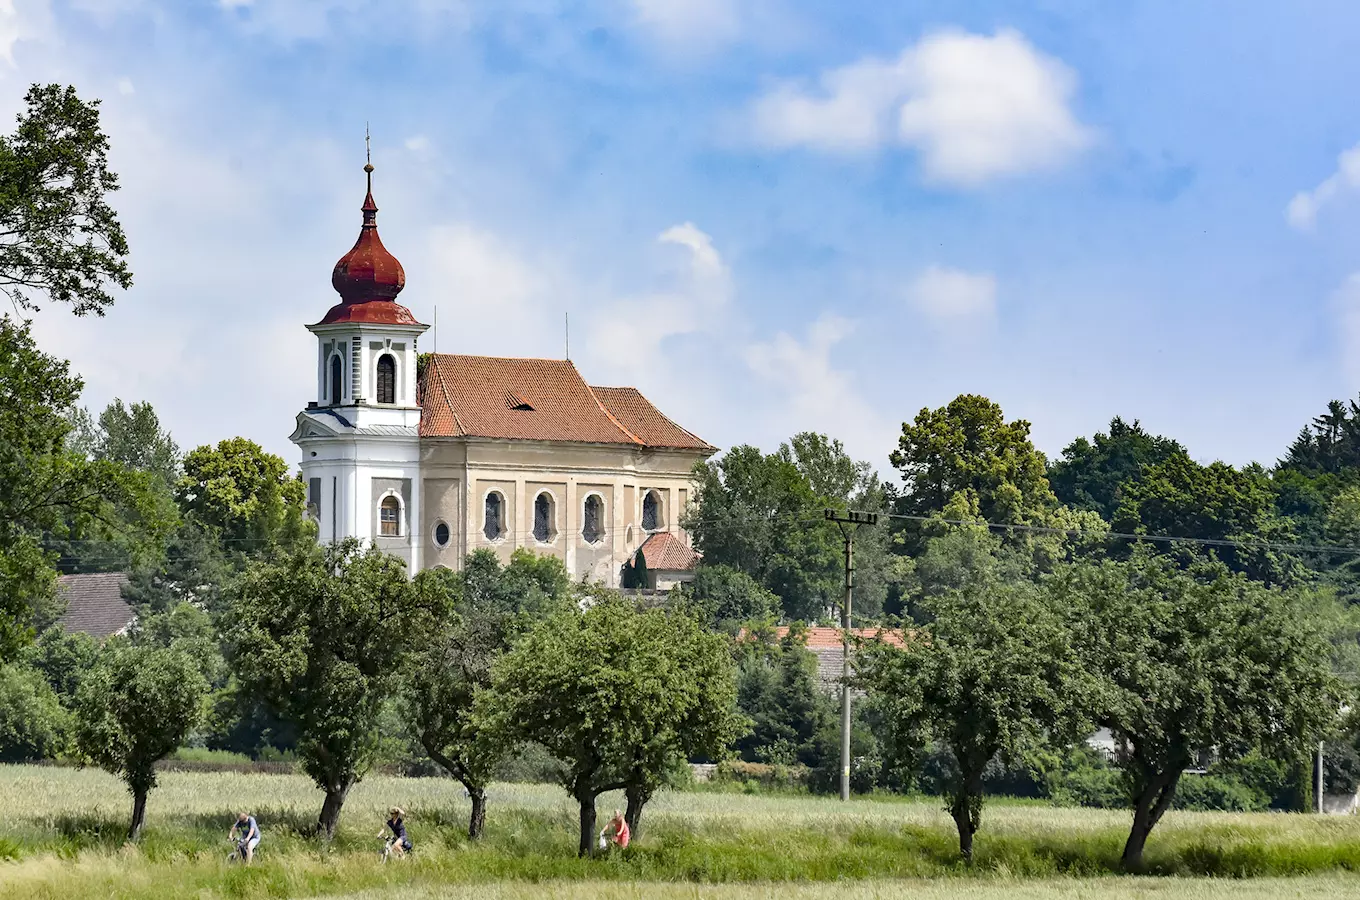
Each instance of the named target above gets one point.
<point>615,832</point>
<point>396,821</point>
<point>250,835</point>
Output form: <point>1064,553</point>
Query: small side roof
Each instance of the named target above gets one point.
<point>664,550</point>
<point>95,604</point>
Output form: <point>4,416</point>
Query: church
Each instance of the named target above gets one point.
<point>433,456</point>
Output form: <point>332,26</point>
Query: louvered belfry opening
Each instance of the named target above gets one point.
<point>387,379</point>
<point>337,380</point>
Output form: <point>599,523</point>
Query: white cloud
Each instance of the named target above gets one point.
<point>125,87</point>
<point>418,143</point>
<point>21,20</point>
<point>974,107</point>
<point>944,294</point>
<point>1304,207</point>
<point>689,22</point>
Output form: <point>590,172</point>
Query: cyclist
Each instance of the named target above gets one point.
<point>250,835</point>
<point>400,844</point>
<point>615,832</point>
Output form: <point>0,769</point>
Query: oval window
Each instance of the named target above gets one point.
<point>441,535</point>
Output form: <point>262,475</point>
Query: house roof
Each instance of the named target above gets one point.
<point>826,637</point>
<point>95,604</point>
<point>664,550</point>
<point>538,400</point>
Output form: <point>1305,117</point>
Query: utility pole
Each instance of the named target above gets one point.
<point>1318,800</point>
<point>848,525</point>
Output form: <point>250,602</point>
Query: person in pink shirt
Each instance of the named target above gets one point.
<point>616,832</point>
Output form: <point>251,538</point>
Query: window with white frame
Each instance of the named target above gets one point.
<point>592,522</point>
<point>493,520</point>
<point>389,517</point>
<point>545,518</point>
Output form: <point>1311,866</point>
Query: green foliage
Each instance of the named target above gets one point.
<point>321,635</point>
<point>1216,502</point>
<point>777,690</point>
<point>481,611</point>
<point>727,597</point>
<point>994,674</point>
<point>63,660</point>
<point>62,240</point>
<point>48,491</point>
<point>969,447</point>
<point>1091,473</point>
<point>617,693</point>
<point>242,492</point>
<point>1193,663</point>
<point>134,708</point>
<point>33,724</point>
<point>1330,444</point>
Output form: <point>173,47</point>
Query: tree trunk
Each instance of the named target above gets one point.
<point>587,801</point>
<point>138,814</point>
<point>1153,800</point>
<point>637,798</point>
<point>477,822</point>
<point>330,810</point>
<point>961,810</point>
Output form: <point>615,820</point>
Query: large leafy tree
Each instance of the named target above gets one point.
<point>1091,472</point>
<point>242,492</point>
<point>1182,498</point>
<point>136,707</point>
<point>727,597</point>
<point>321,634</point>
<point>758,514</point>
<point>608,691</point>
<point>48,491</point>
<point>969,447</point>
<point>482,610</point>
<point>33,724</point>
<point>131,435</point>
<point>1192,664</point>
<point>59,238</point>
<point>994,675</point>
<point>777,690</point>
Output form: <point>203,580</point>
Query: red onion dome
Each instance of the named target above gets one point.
<point>368,278</point>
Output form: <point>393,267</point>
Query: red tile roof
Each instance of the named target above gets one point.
<point>95,604</point>
<point>824,637</point>
<point>664,550</point>
<point>484,396</point>
<point>636,413</point>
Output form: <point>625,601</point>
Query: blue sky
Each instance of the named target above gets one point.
<point>770,216</point>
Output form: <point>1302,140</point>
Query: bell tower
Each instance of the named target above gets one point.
<point>360,437</point>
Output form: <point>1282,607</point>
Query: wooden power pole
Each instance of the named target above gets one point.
<point>848,524</point>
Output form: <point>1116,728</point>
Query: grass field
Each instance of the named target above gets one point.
<point>61,836</point>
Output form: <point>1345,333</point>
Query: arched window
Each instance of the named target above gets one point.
<point>387,379</point>
<point>592,529</point>
<point>493,524</point>
<point>651,511</point>
<point>441,535</point>
<point>545,518</point>
<point>389,517</point>
<point>337,380</point>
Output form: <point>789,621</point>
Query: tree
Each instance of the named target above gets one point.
<point>1194,663</point>
<point>968,446</point>
<point>136,707</point>
<point>58,235</point>
<point>47,491</point>
<point>63,660</point>
<point>1330,444</point>
<point>1090,473</point>
<point>242,492</point>
<point>1181,498</point>
<point>993,675</point>
<point>777,690</point>
<point>758,514</point>
<point>131,435</point>
<point>727,597</point>
<point>321,635</point>
<point>606,691</point>
<point>484,608</point>
<point>33,724</point>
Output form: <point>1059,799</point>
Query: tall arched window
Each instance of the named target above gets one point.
<point>337,380</point>
<point>593,527</point>
<point>651,511</point>
<point>493,523</point>
<point>389,517</point>
<point>545,518</point>
<point>387,379</point>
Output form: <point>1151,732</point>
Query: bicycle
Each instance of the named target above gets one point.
<point>387,850</point>
<point>238,851</point>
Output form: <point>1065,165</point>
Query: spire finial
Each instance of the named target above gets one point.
<point>370,208</point>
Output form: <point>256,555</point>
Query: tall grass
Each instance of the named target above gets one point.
<point>63,836</point>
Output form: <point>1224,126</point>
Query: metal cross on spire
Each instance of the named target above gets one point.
<point>368,147</point>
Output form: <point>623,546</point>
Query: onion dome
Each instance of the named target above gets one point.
<point>368,278</point>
